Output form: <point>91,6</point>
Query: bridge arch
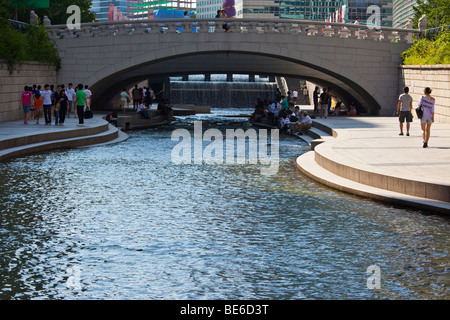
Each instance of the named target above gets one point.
<point>361,70</point>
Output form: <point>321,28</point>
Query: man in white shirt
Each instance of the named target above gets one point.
<point>70,93</point>
<point>295,95</point>
<point>404,108</point>
<point>47,104</point>
<point>305,123</point>
<point>88,96</point>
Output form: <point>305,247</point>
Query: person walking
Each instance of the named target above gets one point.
<point>25,99</point>
<point>316,94</point>
<point>124,96</point>
<point>70,93</point>
<point>56,104</point>
<point>80,102</point>
<point>324,104</point>
<point>404,108</point>
<point>88,96</point>
<point>136,96</point>
<point>47,96</point>
<point>427,104</point>
<point>38,101</point>
<point>63,104</point>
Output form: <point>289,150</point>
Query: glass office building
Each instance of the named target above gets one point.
<point>101,8</point>
<point>310,9</point>
<point>208,8</point>
<point>402,12</point>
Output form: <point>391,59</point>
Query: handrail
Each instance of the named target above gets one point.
<point>285,26</point>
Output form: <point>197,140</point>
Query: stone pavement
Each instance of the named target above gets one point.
<point>368,153</point>
<point>16,138</point>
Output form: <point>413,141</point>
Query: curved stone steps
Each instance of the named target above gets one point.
<point>309,167</point>
<point>74,142</point>
<point>344,173</point>
<point>17,139</point>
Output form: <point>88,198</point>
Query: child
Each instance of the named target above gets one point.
<point>38,102</point>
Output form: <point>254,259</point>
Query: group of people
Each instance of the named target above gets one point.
<point>404,112</point>
<point>55,103</point>
<point>222,14</point>
<point>142,98</point>
<point>282,114</point>
<point>322,104</point>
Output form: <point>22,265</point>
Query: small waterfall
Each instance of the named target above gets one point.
<point>219,93</point>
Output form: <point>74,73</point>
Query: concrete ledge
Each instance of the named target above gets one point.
<point>309,167</point>
<point>76,142</point>
<point>369,176</point>
<point>17,139</point>
<point>366,151</point>
<point>51,136</point>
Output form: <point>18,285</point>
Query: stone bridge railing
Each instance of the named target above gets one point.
<point>269,26</point>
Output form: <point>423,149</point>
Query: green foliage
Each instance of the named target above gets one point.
<point>429,8</point>
<point>12,46</point>
<point>34,44</point>
<point>426,52</point>
<point>57,12</point>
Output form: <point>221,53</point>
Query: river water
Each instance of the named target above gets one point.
<point>124,222</point>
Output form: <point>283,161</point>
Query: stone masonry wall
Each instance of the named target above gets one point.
<point>437,77</point>
<point>11,86</point>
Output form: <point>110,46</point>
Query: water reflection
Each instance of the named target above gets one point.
<point>123,222</point>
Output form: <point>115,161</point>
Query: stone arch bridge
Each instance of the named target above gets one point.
<point>359,63</point>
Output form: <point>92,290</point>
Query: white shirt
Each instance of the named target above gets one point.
<point>88,93</point>
<point>47,96</point>
<point>70,93</point>
<point>307,120</point>
<point>295,94</point>
<point>284,121</point>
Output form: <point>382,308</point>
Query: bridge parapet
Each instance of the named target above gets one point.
<point>269,26</point>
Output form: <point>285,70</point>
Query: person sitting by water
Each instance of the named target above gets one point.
<point>304,123</point>
<point>274,111</point>
<point>143,111</point>
<point>112,118</point>
<point>293,119</point>
<point>283,122</point>
<point>259,112</point>
<point>297,112</point>
<point>352,111</point>
<point>337,109</point>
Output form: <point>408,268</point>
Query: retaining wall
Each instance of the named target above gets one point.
<point>437,77</point>
<point>11,86</point>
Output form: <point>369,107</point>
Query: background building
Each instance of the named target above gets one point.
<point>300,9</point>
<point>402,11</point>
<point>105,12</point>
<point>208,8</point>
<point>143,9</point>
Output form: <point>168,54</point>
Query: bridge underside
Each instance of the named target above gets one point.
<point>232,62</point>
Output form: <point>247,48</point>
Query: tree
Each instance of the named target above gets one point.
<point>57,11</point>
<point>432,9</point>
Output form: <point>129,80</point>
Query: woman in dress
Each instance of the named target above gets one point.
<point>427,104</point>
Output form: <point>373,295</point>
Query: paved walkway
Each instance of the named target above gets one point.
<point>368,150</point>
<point>16,129</point>
<point>16,138</point>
